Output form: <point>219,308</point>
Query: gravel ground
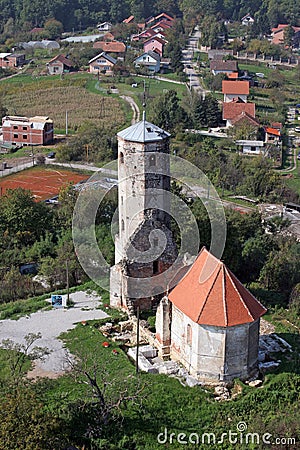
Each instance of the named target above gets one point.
<point>51,324</point>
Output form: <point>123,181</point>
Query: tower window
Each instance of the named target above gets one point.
<point>155,267</point>
<point>152,161</point>
<point>155,242</point>
<point>122,225</point>
<point>121,158</point>
<point>189,334</point>
<point>122,200</point>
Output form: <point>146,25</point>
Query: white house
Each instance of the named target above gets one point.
<point>247,20</point>
<point>105,26</point>
<point>150,60</point>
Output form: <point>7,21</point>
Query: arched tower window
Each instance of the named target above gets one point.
<point>152,160</point>
<point>121,157</point>
<point>189,334</point>
<point>155,267</point>
<point>122,225</point>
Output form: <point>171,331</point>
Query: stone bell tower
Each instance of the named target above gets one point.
<point>144,246</point>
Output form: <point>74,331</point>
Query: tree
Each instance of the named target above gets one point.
<point>53,28</point>
<point>166,112</point>
<point>288,36</point>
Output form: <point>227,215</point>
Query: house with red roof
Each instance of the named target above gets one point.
<point>277,33</point>
<point>209,322</point>
<point>272,135</point>
<point>59,64</point>
<point>154,44</point>
<point>234,90</point>
<point>232,110</point>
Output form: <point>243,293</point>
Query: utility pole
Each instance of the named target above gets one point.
<point>137,339</point>
<point>66,123</point>
<point>67,281</point>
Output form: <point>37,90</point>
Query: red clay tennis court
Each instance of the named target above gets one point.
<point>43,182</point>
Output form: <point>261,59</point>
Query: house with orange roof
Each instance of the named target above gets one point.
<point>129,19</point>
<point>233,90</point>
<point>209,322</point>
<point>272,135</point>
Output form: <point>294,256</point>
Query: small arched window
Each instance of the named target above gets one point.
<point>121,157</point>
<point>122,225</point>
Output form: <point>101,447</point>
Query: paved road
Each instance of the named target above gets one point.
<point>189,66</point>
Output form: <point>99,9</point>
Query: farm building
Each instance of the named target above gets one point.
<point>36,130</point>
<point>12,59</point>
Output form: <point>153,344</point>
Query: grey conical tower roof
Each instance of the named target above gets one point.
<point>143,131</point>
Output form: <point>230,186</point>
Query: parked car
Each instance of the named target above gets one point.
<point>298,157</point>
<point>297,129</point>
<point>51,155</point>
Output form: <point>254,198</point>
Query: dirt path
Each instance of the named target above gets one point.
<point>51,324</point>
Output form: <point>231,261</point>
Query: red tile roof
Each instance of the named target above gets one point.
<point>210,294</point>
<point>234,109</point>
<point>245,117</point>
<point>233,75</point>
<point>235,87</point>
<point>271,130</point>
<point>110,47</point>
<point>129,19</point>
<point>277,125</point>
<point>62,59</point>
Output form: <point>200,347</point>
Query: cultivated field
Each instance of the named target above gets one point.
<point>42,182</point>
<point>53,97</point>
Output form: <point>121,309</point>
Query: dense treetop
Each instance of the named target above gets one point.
<point>22,15</point>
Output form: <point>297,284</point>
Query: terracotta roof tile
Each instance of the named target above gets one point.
<point>210,294</point>
<point>235,87</point>
<point>244,116</point>
<point>110,47</point>
<point>272,131</point>
<point>234,109</point>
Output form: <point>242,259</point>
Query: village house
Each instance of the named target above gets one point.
<point>11,60</point>
<point>272,135</point>
<point>38,130</point>
<point>105,26</point>
<point>227,67</point>
<point>116,48</point>
<point>277,33</point>
<point>246,119</point>
<point>233,110</point>
<point>234,90</point>
<point>247,20</point>
<point>59,65</point>
<point>206,319</point>
<point>150,60</point>
<point>102,63</point>
<point>154,44</point>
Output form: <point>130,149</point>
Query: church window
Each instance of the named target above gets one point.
<point>121,158</point>
<point>155,267</point>
<point>122,225</point>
